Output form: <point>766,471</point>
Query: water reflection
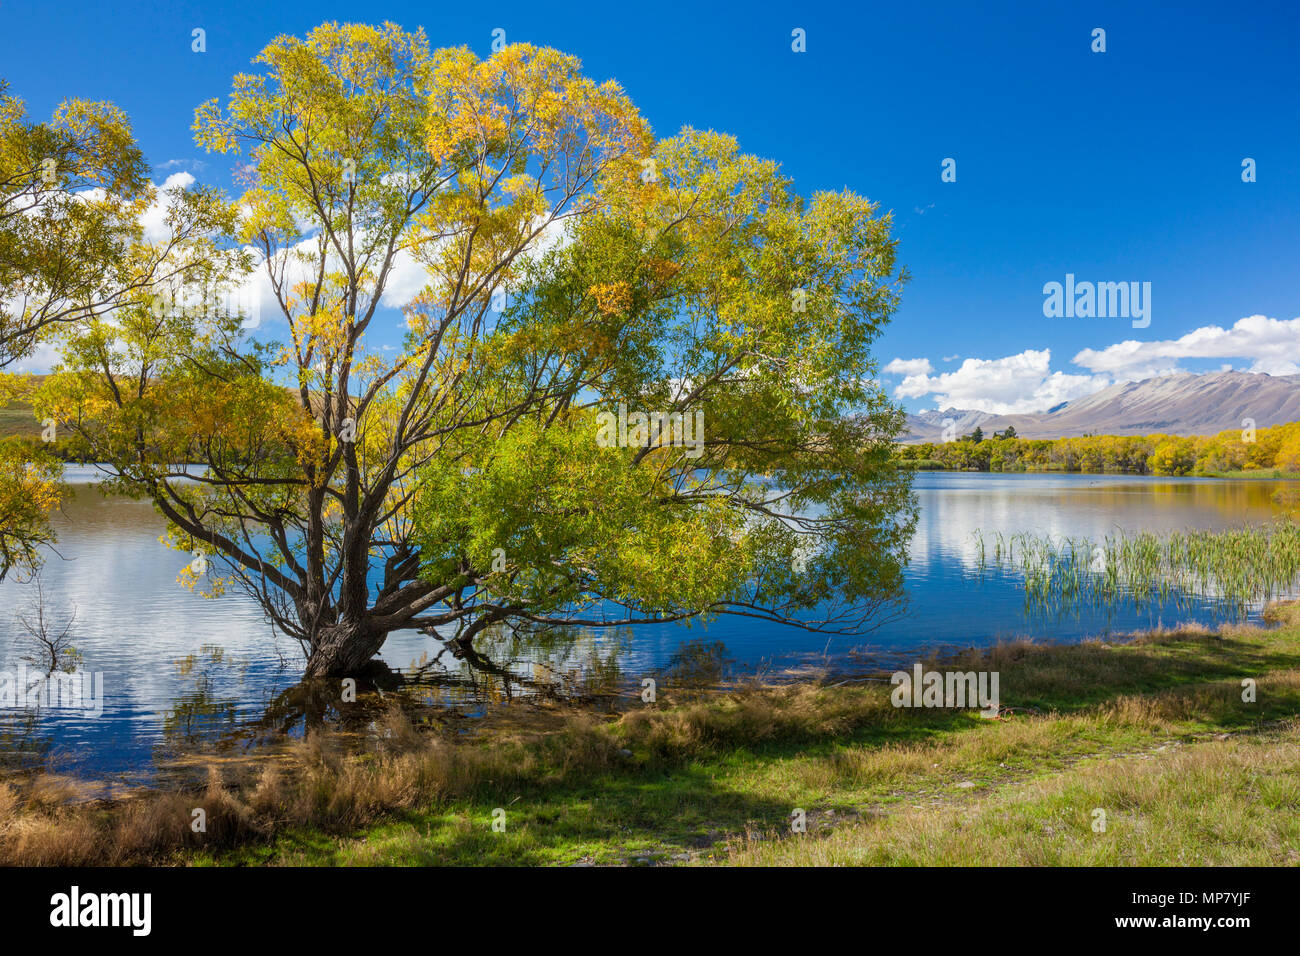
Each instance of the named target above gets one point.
<point>186,675</point>
<point>201,712</point>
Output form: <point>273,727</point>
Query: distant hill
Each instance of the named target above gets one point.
<point>17,418</point>
<point>964,421</point>
<point>1184,404</point>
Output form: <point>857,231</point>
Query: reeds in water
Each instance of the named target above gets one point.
<point>1231,571</point>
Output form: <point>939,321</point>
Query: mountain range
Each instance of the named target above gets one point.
<point>1183,404</point>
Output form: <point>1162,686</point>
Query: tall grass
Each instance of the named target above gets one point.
<point>1230,571</point>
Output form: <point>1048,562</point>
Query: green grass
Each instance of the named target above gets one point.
<point>1222,802</point>
<point>1263,474</point>
<point>18,419</point>
<point>1154,732</point>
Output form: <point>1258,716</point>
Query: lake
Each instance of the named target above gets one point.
<point>180,671</point>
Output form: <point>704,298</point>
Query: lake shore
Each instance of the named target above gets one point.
<point>1256,474</point>
<point>1153,732</point>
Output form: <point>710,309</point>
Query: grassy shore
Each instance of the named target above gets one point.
<point>1154,732</point>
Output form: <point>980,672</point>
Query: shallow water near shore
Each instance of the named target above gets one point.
<point>185,675</point>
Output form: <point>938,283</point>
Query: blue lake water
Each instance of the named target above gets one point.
<point>178,669</point>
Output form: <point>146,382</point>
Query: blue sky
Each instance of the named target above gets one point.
<point>1115,166</point>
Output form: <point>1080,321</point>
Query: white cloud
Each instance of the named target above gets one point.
<point>405,280</point>
<point>918,366</point>
<point>1025,383</point>
<point>1276,367</point>
<point>1016,384</point>
<point>1272,344</point>
<point>154,219</point>
<point>193,165</point>
<point>42,360</point>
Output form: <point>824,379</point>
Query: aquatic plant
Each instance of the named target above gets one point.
<point>1231,570</point>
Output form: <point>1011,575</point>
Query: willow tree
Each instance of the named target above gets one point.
<point>577,277</point>
<point>73,248</point>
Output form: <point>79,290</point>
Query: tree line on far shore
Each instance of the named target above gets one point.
<point>1266,449</point>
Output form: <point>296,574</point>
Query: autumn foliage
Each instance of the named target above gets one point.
<point>1276,447</point>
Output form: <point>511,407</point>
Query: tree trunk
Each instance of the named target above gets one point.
<point>344,649</point>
